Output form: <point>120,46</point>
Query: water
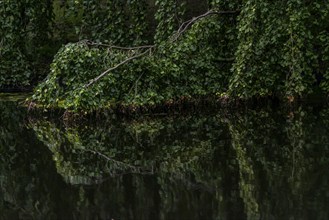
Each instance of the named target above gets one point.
<point>243,164</point>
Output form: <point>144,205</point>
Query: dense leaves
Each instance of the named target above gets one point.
<point>266,48</point>
<point>24,32</point>
<point>279,50</point>
<point>205,52</point>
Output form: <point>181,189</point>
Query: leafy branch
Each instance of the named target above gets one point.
<point>183,28</point>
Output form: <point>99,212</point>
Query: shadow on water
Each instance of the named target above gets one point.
<point>250,164</point>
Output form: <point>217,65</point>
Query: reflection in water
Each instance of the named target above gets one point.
<point>256,164</point>
<point>283,160</point>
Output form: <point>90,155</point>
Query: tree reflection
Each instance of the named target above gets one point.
<point>183,171</point>
<point>281,163</point>
<point>252,164</point>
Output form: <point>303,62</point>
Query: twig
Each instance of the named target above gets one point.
<point>135,83</point>
<point>133,168</point>
<point>117,66</point>
<point>188,23</point>
<point>118,47</point>
<point>183,25</point>
<point>111,159</point>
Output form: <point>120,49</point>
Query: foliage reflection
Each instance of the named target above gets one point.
<point>251,164</point>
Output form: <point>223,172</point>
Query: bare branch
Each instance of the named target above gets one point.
<point>188,23</point>
<point>149,48</point>
<point>118,47</point>
<point>117,66</point>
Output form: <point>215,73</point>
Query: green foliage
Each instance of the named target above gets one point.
<point>323,44</point>
<point>157,77</point>
<point>278,52</point>
<point>72,65</point>
<point>205,52</point>
<point>199,63</point>
<point>10,46</point>
<point>168,16</point>
<point>116,22</point>
<point>32,30</point>
<point>24,31</point>
<point>267,48</point>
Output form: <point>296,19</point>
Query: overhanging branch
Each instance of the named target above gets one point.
<point>184,27</point>
<point>118,47</point>
<point>188,23</point>
<point>117,66</point>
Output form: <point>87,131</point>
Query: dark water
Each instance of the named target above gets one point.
<point>247,164</point>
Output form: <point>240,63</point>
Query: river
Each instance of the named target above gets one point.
<point>250,163</point>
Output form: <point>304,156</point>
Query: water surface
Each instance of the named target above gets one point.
<point>244,164</point>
